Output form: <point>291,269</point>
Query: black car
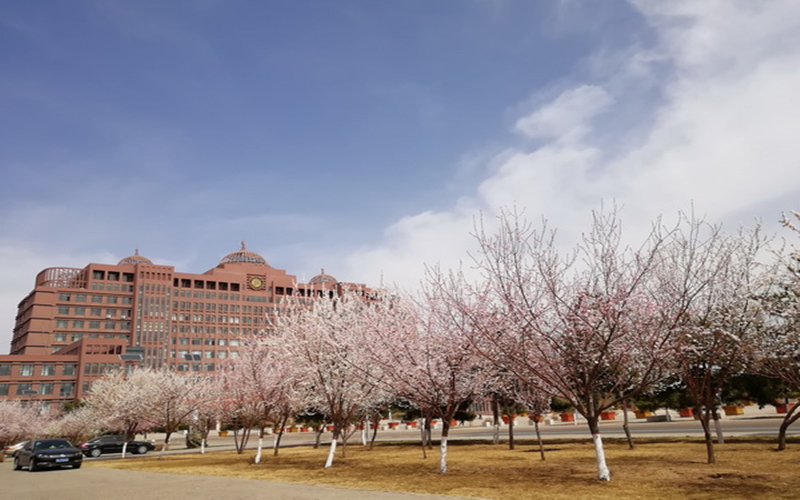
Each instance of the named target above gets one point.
<point>113,444</point>
<point>46,454</point>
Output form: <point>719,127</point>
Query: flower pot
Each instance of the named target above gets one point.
<point>782,408</point>
<point>329,428</point>
<point>293,429</point>
<point>643,414</point>
<point>393,425</point>
<point>374,426</point>
<point>304,429</point>
<point>567,417</point>
<point>733,410</point>
<point>413,424</point>
<point>608,415</point>
<point>223,434</point>
<point>686,412</point>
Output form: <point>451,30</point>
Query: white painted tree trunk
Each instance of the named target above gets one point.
<point>443,456</point>
<point>364,431</point>
<point>274,440</point>
<point>603,474</point>
<point>331,453</point>
<point>718,429</point>
<point>124,448</point>
<point>258,450</point>
<point>496,432</point>
<point>203,446</point>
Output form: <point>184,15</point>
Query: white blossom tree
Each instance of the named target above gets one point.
<point>124,402</point>
<point>18,421</point>
<point>332,378</point>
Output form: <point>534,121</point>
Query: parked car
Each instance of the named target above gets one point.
<point>11,449</point>
<point>113,444</point>
<point>47,453</point>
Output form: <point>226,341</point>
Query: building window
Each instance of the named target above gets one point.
<point>127,300</point>
<point>110,325</point>
<point>23,388</point>
<point>86,386</point>
<point>97,299</point>
<point>25,370</point>
<point>113,276</point>
<point>46,388</point>
<point>111,313</point>
<point>61,337</point>
<point>48,370</point>
<point>63,310</point>
<point>81,297</point>
<point>3,389</point>
<point>78,323</point>
<point>96,311</point>
<point>80,311</point>
<point>61,323</point>
<point>94,325</point>
<point>5,370</point>
<point>97,275</point>
<point>111,300</point>
<point>70,369</point>
<point>183,367</point>
<point>209,367</point>
<point>75,337</point>
<point>67,389</point>
<point>127,277</point>
<point>63,297</point>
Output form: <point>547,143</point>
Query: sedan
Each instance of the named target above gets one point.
<point>12,448</point>
<point>48,453</point>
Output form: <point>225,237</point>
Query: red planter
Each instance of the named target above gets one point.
<point>413,424</point>
<point>782,408</point>
<point>686,412</point>
<point>329,428</point>
<point>567,417</point>
<point>608,415</point>
<point>393,425</point>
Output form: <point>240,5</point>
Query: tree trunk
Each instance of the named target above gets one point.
<point>510,432</point>
<point>538,436</point>
<point>318,431</point>
<point>718,426</point>
<point>124,447</point>
<point>603,474</point>
<point>625,426</point>
<point>332,451</point>
<point>422,439</point>
<point>495,421</point>
<point>443,446</point>
<point>257,460</point>
<point>788,420</point>
<point>165,448</point>
<point>374,435</point>
<point>705,421</point>
<point>280,435</point>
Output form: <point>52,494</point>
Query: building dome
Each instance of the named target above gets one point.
<point>322,278</point>
<point>243,256</point>
<point>135,259</point>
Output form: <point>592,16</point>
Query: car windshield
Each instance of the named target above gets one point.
<point>51,444</point>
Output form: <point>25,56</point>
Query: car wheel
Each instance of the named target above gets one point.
<point>96,452</point>
<point>17,466</point>
<point>32,466</point>
<point>141,449</point>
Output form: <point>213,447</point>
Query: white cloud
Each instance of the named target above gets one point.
<point>567,118</point>
<point>718,131</point>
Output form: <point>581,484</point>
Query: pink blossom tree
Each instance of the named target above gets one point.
<point>423,357</point>
<point>586,325</point>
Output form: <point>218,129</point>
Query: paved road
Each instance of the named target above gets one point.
<point>111,484</point>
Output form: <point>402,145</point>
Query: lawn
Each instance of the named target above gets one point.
<point>662,468</point>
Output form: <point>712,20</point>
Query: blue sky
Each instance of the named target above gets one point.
<point>364,136</point>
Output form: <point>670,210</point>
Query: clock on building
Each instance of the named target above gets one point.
<point>255,283</point>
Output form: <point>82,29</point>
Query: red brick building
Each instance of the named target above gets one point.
<point>78,324</point>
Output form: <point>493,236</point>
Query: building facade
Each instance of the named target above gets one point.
<point>79,324</point>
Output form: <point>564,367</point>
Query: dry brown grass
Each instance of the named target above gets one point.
<point>655,469</point>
